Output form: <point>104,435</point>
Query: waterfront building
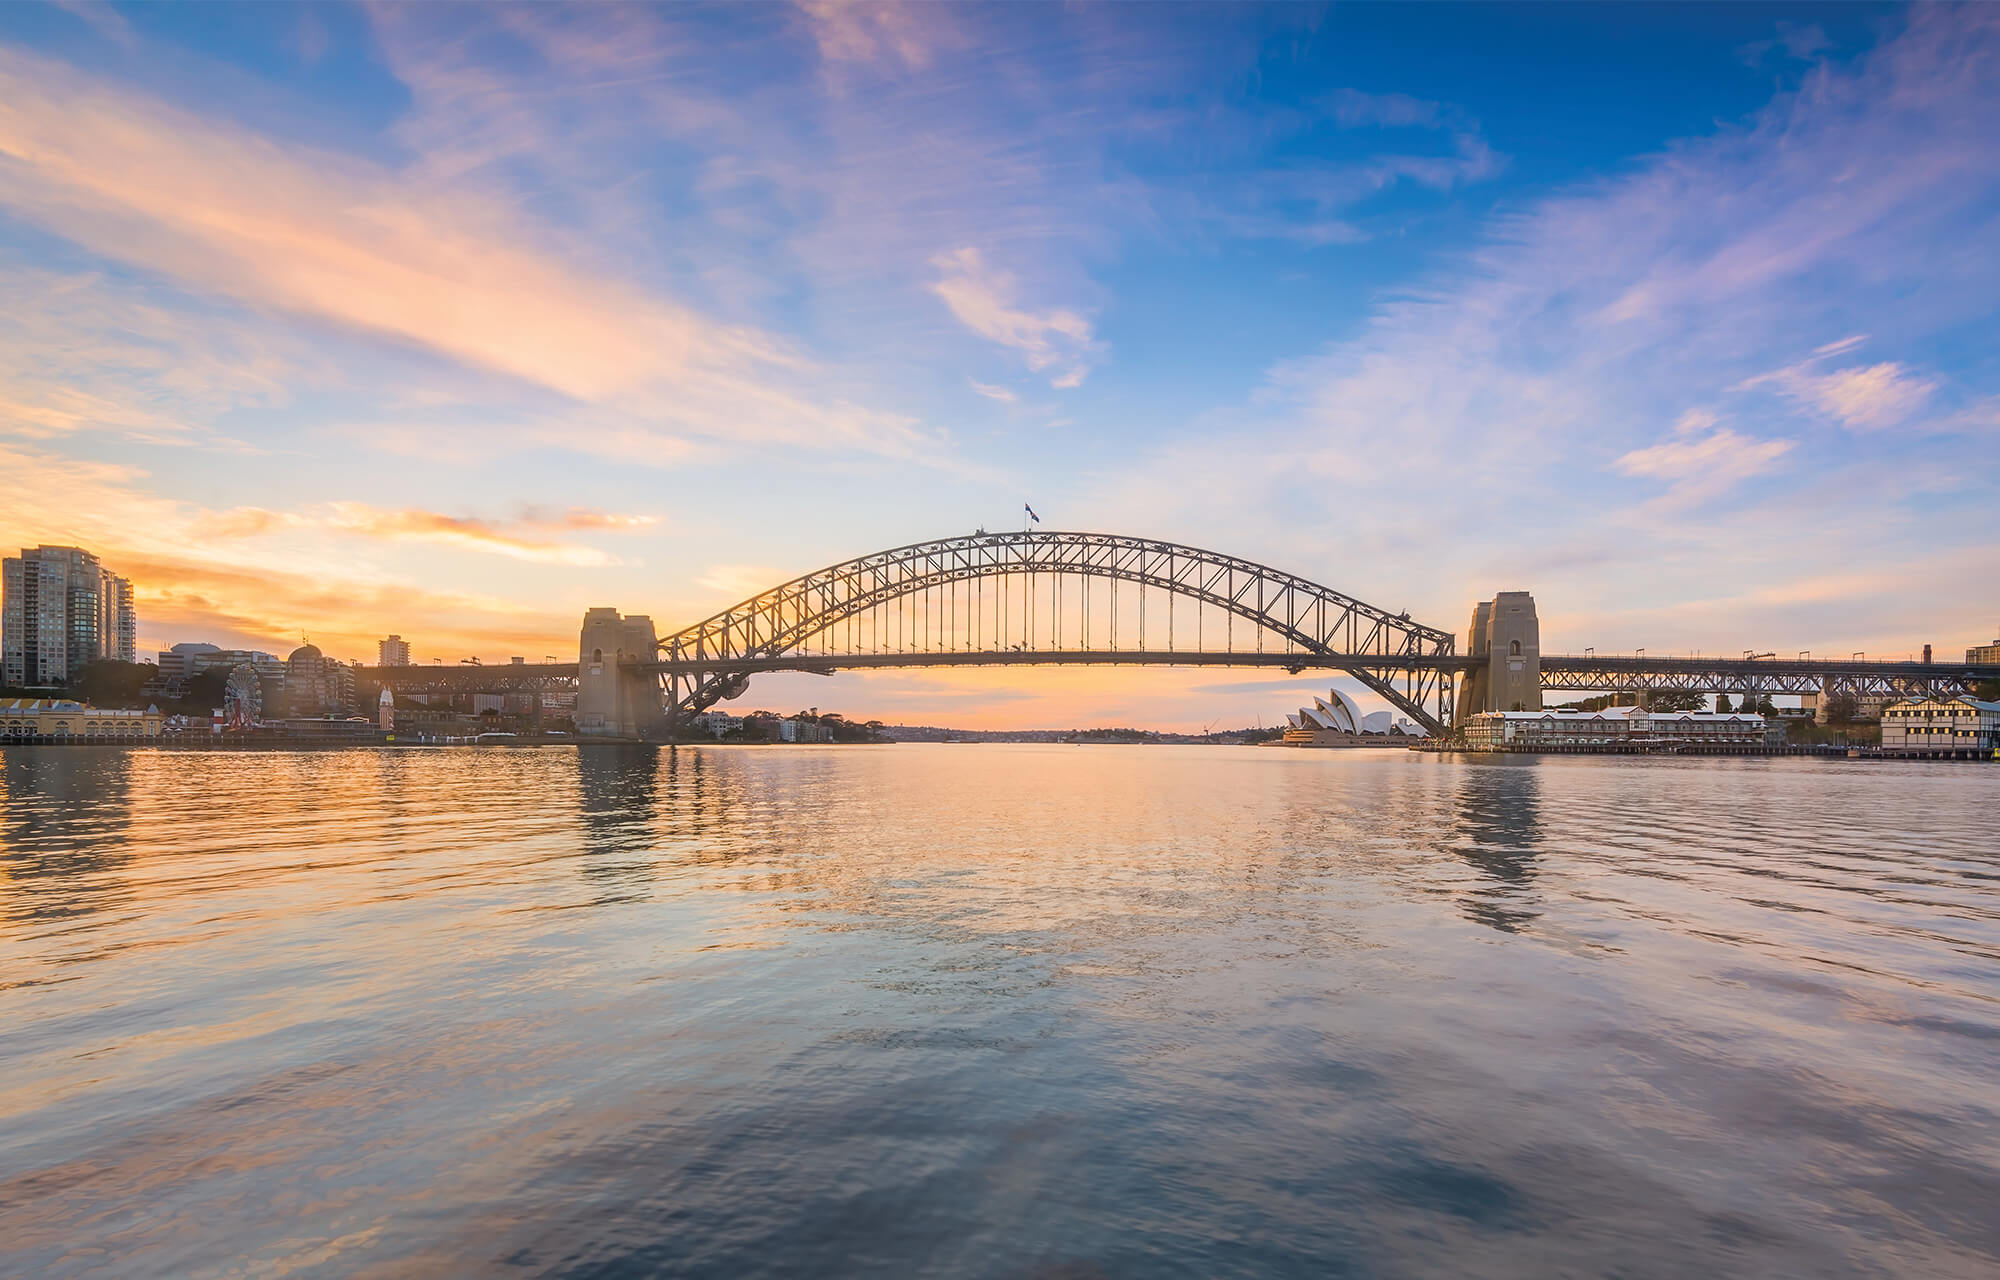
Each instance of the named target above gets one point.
<point>715,723</point>
<point>175,665</point>
<point>326,728</point>
<point>393,652</point>
<point>60,610</point>
<point>1612,727</point>
<point>1984,654</point>
<point>316,685</point>
<point>559,704</point>
<point>385,710</point>
<point>799,729</point>
<point>1955,726</point>
<point>1336,721</point>
<point>64,720</point>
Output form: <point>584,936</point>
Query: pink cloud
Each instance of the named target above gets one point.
<point>984,300</point>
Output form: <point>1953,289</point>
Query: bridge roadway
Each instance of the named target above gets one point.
<point>1627,673</point>
<point>1592,673</point>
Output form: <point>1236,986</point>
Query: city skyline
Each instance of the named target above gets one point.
<point>457,323</point>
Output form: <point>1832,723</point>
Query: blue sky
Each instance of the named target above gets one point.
<point>454,321</point>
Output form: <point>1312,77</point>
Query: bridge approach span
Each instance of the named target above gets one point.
<point>1590,673</point>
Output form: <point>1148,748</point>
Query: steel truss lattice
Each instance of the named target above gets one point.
<point>1410,665</point>
<point>1753,678</point>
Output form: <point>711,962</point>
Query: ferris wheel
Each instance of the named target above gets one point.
<point>242,698</point>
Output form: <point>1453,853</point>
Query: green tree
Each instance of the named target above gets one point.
<point>1987,691</point>
<point>1840,708</point>
<point>110,683</point>
<point>1675,700</point>
<point>205,692</point>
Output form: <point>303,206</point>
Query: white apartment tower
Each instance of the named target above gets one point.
<point>61,609</point>
<point>393,652</point>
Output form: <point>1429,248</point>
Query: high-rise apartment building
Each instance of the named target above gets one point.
<point>61,609</point>
<point>393,652</point>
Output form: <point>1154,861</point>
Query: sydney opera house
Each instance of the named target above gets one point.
<point>1335,721</point>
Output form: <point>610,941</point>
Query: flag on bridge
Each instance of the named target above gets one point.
<point>1031,513</point>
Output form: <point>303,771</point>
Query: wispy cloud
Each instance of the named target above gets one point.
<point>346,242</point>
<point>741,581</point>
<point>242,576</point>
<point>871,30</point>
<point>515,538</point>
<point>1699,465</point>
<point>103,19</point>
<point>991,392</point>
<point>466,532</point>
<point>1057,341</point>
<point>1864,397</point>
<point>1530,390</point>
<point>1352,108</point>
<point>1799,40</point>
<point>80,353</point>
<point>585,518</point>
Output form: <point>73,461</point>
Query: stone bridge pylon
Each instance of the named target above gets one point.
<point>612,699</point>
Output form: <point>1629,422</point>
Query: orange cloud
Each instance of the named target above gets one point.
<point>233,576</point>
<point>461,531</point>
<point>180,598</point>
<point>321,234</point>
<point>401,254</point>
<point>585,518</point>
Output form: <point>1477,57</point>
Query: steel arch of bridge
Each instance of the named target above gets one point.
<point>1410,665</point>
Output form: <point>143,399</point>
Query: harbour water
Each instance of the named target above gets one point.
<point>996,1011</point>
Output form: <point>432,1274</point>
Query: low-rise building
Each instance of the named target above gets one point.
<point>184,662</point>
<point>798,729</point>
<point>1942,726</point>
<point>60,718</point>
<point>325,728</point>
<point>1984,654</point>
<point>715,723</point>
<point>1613,727</point>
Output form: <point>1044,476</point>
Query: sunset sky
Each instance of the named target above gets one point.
<point>453,322</point>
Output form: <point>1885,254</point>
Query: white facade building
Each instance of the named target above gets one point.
<point>716,723</point>
<point>1612,727</point>
<point>1337,718</point>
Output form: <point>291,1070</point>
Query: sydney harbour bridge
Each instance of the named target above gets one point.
<point>1063,599</point>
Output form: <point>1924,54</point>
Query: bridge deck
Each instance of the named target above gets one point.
<point>1597,666</point>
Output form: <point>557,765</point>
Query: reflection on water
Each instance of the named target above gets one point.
<point>995,1011</point>
<point>1498,830</point>
<point>61,813</point>
<point>615,802</point>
